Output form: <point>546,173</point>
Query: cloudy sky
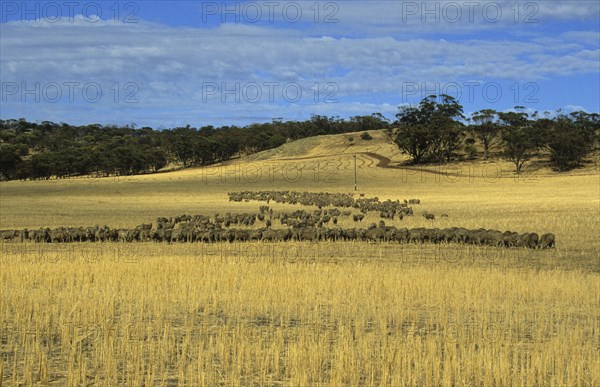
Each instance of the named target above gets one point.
<point>170,63</point>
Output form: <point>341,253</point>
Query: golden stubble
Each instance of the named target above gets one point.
<point>303,313</point>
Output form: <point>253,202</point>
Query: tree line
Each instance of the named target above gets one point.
<point>30,150</point>
<point>436,130</point>
<point>433,131</point>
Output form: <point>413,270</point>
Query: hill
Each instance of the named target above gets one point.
<point>382,153</point>
<point>473,194</point>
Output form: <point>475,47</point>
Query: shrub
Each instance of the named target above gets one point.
<point>366,136</point>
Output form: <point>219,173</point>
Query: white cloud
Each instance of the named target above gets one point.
<point>170,70</point>
<point>411,18</point>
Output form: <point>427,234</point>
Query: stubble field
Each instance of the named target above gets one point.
<point>300,313</point>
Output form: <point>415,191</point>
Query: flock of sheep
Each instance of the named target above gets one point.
<point>320,224</point>
<point>387,209</point>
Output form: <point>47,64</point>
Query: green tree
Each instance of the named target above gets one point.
<point>414,140</point>
<point>569,144</point>
<point>41,166</point>
<point>446,137</point>
<point>203,151</point>
<point>156,159</point>
<point>181,146</point>
<point>9,161</point>
<point>485,129</point>
<point>518,138</point>
<point>430,128</point>
<point>589,123</point>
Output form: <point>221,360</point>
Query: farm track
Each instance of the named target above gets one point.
<point>368,162</point>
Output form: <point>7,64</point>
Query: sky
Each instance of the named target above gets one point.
<point>172,63</point>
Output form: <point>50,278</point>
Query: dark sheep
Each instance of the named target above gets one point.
<point>529,240</point>
<point>547,241</point>
<point>428,216</point>
<point>358,217</point>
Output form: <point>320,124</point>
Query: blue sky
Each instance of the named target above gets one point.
<point>164,64</point>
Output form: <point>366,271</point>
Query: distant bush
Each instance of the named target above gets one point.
<point>366,136</point>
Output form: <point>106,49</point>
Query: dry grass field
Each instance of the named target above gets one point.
<point>303,314</point>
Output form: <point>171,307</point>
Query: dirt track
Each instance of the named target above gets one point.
<point>382,162</point>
